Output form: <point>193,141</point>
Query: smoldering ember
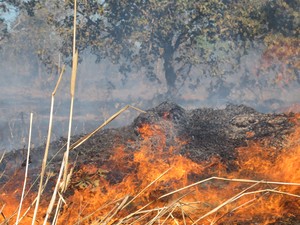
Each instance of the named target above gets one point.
<point>170,166</point>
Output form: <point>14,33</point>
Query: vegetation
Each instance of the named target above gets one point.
<point>167,37</point>
<point>141,34</point>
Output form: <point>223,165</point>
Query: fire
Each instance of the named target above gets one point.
<point>152,181</point>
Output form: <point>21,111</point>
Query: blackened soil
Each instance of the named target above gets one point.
<point>207,132</point>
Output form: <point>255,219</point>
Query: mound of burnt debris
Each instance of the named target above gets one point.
<point>192,146</point>
<point>217,131</point>
<point>207,132</point>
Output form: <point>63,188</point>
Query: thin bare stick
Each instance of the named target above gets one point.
<point>55,218</point>
<point>115,211</point>
<point>225,203</point>
<point>64,186</point>
<point>175,220</point>
<point>2,210</point>
<point>157,217</point>
<point>2,174</point>
<point>59,80</point>
<point>254,199</point>
<point>142,217</point>
<point>236,208</point>
<point>70,119</point>
<point>169,215</point>
<point>26,170</point>
<point>270,190</point>
<point>166,209</point>
<point>53,198</point>
<point>231,180</point>
<point>86,137</point>
<point>144,189</point>
<point>2,156</point>
<point>139,211</point>
<point>47,146</point>
<point>182,214</point>
<point>102,207</point>
<point>34,201</point>
<point>72,92</point>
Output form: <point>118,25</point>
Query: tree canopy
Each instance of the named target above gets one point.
<point>179,34</point>
<point>137,34</point>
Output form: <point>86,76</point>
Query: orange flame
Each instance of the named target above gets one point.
<point>123,190</point>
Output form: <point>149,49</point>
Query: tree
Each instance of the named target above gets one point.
<point>180,34</point>
<point>137,34</point>
<point>29,43</point>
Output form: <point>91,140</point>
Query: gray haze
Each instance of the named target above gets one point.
<point>101,90</point>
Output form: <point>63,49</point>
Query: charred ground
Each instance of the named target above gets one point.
<point>207,137</point>
<point>207,132</point>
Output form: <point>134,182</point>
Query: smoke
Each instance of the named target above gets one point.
<point>26,86</point>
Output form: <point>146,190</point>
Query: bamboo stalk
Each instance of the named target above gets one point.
<point>26,170</point>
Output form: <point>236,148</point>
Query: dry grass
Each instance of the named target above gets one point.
<point>44,163</point>
<point>26,169</point>
<point>153,215</point>
<point>161,216</point>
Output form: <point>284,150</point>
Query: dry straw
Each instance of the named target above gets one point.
<point>86,137</point>
<point>26,170</point>
<point>72,90</point>
<point>47,146</point>
<point>64,166</point>
<point>164,214</point>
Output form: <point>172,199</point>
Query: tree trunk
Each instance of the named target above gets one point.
<point>170,73</point>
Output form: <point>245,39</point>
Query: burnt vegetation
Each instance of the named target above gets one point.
<point>207,133</point>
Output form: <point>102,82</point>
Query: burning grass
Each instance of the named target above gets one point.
<point>151,182</point>
<point>268,191</point>
<point>154,184</point>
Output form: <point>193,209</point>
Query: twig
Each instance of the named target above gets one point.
<point>167,209</point>
<point>26,170</point>
<point>231,180</point>
<point>115,211</point>
<point>1,212</point>
<point>25,213</point>
<point>86,137</point>
<point>144,189</point>
<point>182,213</point>
<point>225,203</point>
<point>130,215</point>
<point>2,157</point>
<point>241,194</point>
<point>53,198</point>
<point>72,92</point>
<point>100,208</point>
<point>47,146</point>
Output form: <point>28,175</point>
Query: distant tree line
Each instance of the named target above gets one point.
<point>179,34</point>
